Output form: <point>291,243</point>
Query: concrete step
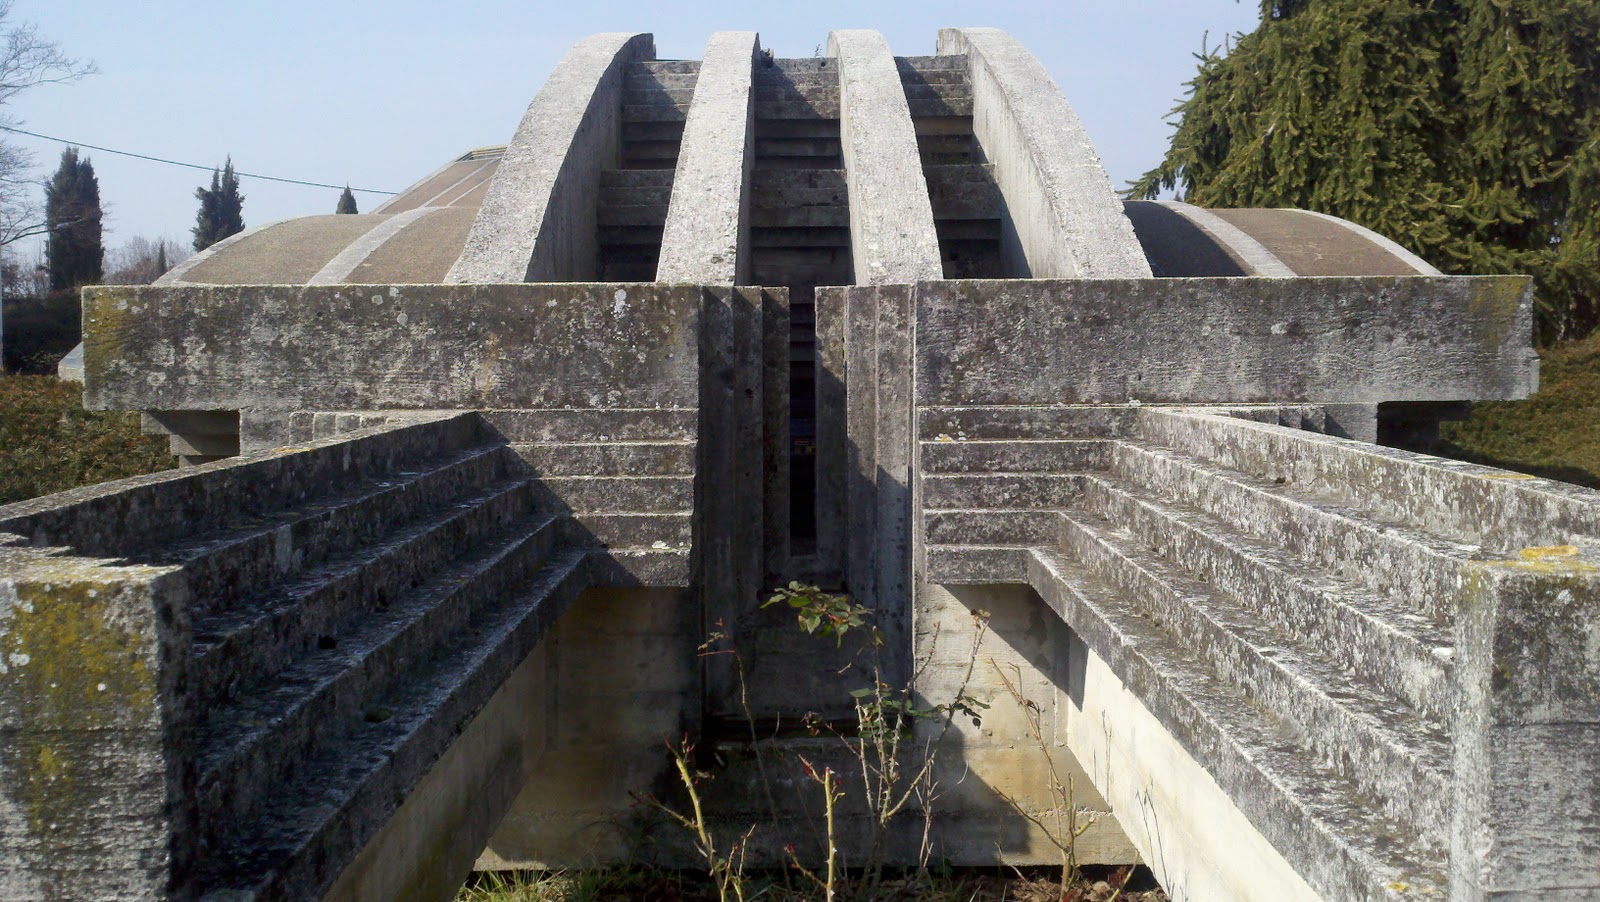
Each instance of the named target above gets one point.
<point>663,566</point>
<point>630,242</point>
<point>608,458</point>
<point>635,530</point>
<point>800,147</point>
<point>1014,456</point>
<point>659,68</point>
<point>650,155</point>
<point>797,109</point>
<point>1325,826</point>
<point>954,105</point>
<point>247,645</point>
<point>607,494</point>
<point>654,214</point>
<point>976,565</point>
<point>963,191</point>
<point>795,67</point>
<point>1021,528</point>
<point>310,822</point>
<point>222,569</point>
<point>1408,656</point>
<point>655,94</point>
<point>952,62</point>
<point>1065,422</point>
<point>1390,750</point>
<point>951,91</point>
<point>614,270</point>
<point>653,112</point>
<point>1012,491</point>
<point>834,238</point>
<point>1419,572</point>
<point>821,216</point>
<point>616,179</point>
<point>984,232</point>
<point>623,424</point>
<point>249,749</point>
<point>636,195</point>
<point>777,190</point>
<point>791,92</point>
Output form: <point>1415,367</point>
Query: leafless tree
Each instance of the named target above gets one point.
<point>141,260</point>
<point>27,60</point>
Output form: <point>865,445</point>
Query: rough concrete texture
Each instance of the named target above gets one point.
<point>356,252</point>
<point>175,275</point>
<point>892,238</point>
<point>422,252</point>
<point>1330,340</point>
<point>333,348</point>
<point>706,239</point>
<point>1318,246</point>
<point>1257,260</point>
<point>1419,265</point>
<point>1065,222</point>
<point>537,222</point>
<point>289,253</point>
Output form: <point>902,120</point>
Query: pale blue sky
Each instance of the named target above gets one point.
<point>379,94</point>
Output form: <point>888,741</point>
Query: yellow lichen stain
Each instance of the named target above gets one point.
<point>1551,559</point>
<point>1506,476</point>
<point>288,449</point>
<point>72,670</point>
<point>1396,887</point>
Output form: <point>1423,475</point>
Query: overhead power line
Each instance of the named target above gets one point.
<point>140,156</point>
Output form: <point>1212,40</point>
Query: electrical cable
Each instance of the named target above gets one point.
<point>140,156</point>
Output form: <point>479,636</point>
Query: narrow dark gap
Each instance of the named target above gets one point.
<point>800,239</point>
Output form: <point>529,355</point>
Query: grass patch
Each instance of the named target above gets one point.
<point>1555,433</point>
<point>49,443</point>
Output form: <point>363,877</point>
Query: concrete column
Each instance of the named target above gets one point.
<point>1065,221</point>
<point>707,236</point>
<point>892,239</point>
<point>537,223</point>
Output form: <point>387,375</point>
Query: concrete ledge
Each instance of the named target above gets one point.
<point>707,236</point>
<point>892,237</point>
<point>537,222</point>
<point>346,348</point>
<point>1335,340</point>
<point>1065,221</point>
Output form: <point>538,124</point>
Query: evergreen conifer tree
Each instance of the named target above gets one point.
<point>1467,130</point>
<point>74,251</point>
<point>221,208</point>
<point>347,202</point>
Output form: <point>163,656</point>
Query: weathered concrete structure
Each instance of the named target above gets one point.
<point>868,321</point>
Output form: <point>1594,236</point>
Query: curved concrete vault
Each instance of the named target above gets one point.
<point>478,471</point>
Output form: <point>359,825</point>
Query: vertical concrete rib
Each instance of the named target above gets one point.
<point>707,236</point>
<point>1064,220</point>
<point>1252,253</point>
<point>892,238</point>
<point>537,222</point>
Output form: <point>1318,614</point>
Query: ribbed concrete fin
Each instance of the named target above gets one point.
<point>707,235</point>
<point>1067,222</point>
<point>537,223</point>
<point>892,236</point>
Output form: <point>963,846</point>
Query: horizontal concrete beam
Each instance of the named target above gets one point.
<point>413,346</point>
<point>706,239</point>
<point>537,222</point>
<point>1330,340</point>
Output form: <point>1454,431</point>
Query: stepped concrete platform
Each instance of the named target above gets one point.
<point>476,475</point>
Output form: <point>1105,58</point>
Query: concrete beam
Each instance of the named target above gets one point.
<point>537,223</point>
<point>892,238</point>
<point>1065,221</point>
<point>408,347</point>
<point>707,236</point>
<point>1351,340</point>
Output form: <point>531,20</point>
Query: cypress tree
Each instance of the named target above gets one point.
<point>1467,130</point>
<point>347,202</point>
<point>74,250</point>
<point>221,208</point>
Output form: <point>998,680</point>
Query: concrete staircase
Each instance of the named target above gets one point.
<point>335,615</point>
<point>967,207</point>
<point>633,197</point>
<point>1288,605</point>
